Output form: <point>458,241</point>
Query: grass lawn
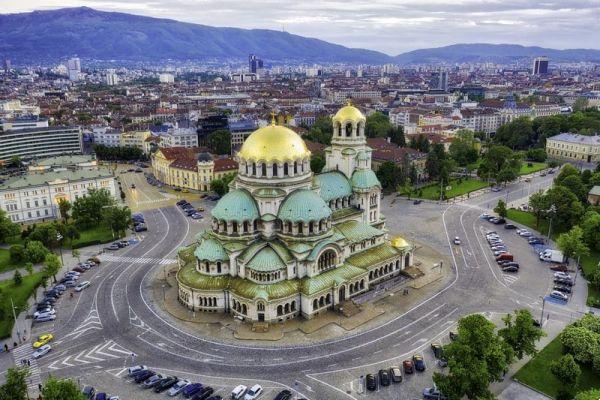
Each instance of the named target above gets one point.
<point>432,192</point>
<point>528,219</point>
<point>535,167</point>
<point>19,295</point>
<point>589,264</point>
<point>5,263</point>
<point>536,373</point>
<point>100,234</point>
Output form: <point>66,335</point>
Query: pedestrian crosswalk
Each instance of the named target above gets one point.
<point>137,260</point>
<point>22,355</point>
<point>509,279</point>
<point>104,351</point>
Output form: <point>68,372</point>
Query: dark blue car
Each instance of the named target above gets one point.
<point>191,390</point>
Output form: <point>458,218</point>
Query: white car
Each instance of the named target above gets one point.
<point>45,349</point>
<point>238,392</point>
<point>82,286</point>
<point>178,387</point>
<point>51,311</point>
<point>113,398</point>
<point>457,240</point>
<point>562,275</point>
<point>253,392</point>
<point>559,295</point>
<point>136,368</point>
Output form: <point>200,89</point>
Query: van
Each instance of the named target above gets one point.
<point>505,257</point>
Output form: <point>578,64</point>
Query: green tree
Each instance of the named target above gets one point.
<point>220,141</point>
<point>8,228</point>
<point>76,254</point>
<point>568,208</point>
<point>517,134</point>
<point>52,265</point>
<point>476,358</point>
<point>321,131</point>
<point>29,268</point>
<point>396,135</point>
<point>317,162</point>
<point>539,204</point>
<point>61,389</point>
<point>566,370</point>
<point>17,253</point>
<point>35,251</point>
<point>15,387</point>
<point>591,229</point>
<point>499,163</point>
<point>580,104</point>
<point>64,206</point>
<point>500,208</point>
<point>566,171</point>
<point>520,333</point>
<point>537,154</point>
<point>118,219</point>
<point>389,176</point>
<point>377,125</point>
<point>462,149</point>
<point>592,394</point>
<point>218,186</point>
<point>576,186</point>
<point>581,342</point>
<point>571,243</point>
<point>88,210</point>
<point>17,278</point>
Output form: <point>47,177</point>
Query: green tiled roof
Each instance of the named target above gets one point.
<point>326,280</point>
<point>269,217</point>
<point>373,255</point>
<point>299,247</point>
<point>250,290</point>
<point>237,205</point>
<point>276,245</point>
<point>364,179</point>
<point>190,277</point>
<point>303,205</point>
<point>333,185</point>
<point>315,251</point>
<point>348,151</point>
<point>211,250</point>
<point>266,260</point>
<point>357,231</point>
<point>345,212</point>
<point>38,179</point>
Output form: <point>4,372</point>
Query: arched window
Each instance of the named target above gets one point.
<point>244,309</point>
<point>275,169</point>
<point>289,223</point>
<point>285,169</point>
<point>348,130</point>
<point>287,308</point>
<point>245,225</point>
<point>246,165</point>
<point>328,298</point>
<point>294,305</point>
<point>254,169</point>
<point>207,266</point>
<point>310,227</point>
<point>327,260</point>
<point>279,310</point>
<point>295,167</point>
<point>300,228</point>
<point>322,301</point>
<point>255,225</point>
<point>407,260</point>
<point>315,304</point>
<point>218,267</point>
<point>260,306</point>
<point>264,169</point>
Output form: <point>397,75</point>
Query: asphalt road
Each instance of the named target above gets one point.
<point>99,330</point>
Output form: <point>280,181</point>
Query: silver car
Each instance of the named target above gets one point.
<point>45,349</point>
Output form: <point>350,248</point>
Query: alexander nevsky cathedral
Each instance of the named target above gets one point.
<point>286,242</point>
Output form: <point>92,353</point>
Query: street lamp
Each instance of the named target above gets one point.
<point>542,317</point>
<point>15,318</point>
<point>551,211</point>
<point>59,237</point>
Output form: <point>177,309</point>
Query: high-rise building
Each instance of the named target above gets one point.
<point>166,78</point>
<point>443,81</point>
<point>540,65</point>
<point>112,79</point>
<point>254,64</point>
<point>74,69</point>
<point>7,65</point>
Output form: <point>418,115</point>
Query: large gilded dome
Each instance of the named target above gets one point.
<point>274,143</point>
<point>348,113</point>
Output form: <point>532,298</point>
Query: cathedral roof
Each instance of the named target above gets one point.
<point>303,205</point>
<point>237,205</point>
<point>333,185</point>
<point>211,250</point>
<point>266,260</point>
<point>348,113</point>
<point>274,143</point>
<point>355,231</point>
<point>364,179</point>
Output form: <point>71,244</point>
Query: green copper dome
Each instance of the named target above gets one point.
<point>266,260</point>
<point>303,205</point>
<point>237,205</point>
<point>211,250</point>
<point>365,179</point>
<point>333,185</point>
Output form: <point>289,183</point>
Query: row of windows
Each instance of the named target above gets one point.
<point>265,277</point>
<point>275,170</point>
<point>38,214</point>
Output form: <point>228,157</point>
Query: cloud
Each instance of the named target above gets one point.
<point>391,26</point>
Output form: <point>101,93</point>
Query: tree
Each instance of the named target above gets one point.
<point>8,228</point>
<point>580,104</point>
<point>591,229</point>
<point>317,163</point>
<point>219,141</point>
<point>52,265</point>
<point>576,186</point>
<point>64,206</point>
<point>592,394</point>
<point>389,176</point>
<point>17,253</point>
<point>396,135</point>
<point>76,254</point>
<point>517,134</point>
<point>118,219</point>
<point>218,186</point>
<point>566,370</point>
<point>61,389</point>
<point>29,268</point>
<point>581,342</point>
<point>537,154</point>
<point>520,333</point>
<point>87,210</point>
<point>566,171</point>
<point>462,149</point>
<point>15,387</point>
<point>17,278</point>
<point>539,204</point>
<point>568,208</point>
<point>499,163</point>
<point>476,358</point>
<point>571,243</point>
<point>500,208</point>
<point>321,131</point>
<point>377,125</point>
<point>35,251</point>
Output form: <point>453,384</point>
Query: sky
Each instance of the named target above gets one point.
<point>390,26</point>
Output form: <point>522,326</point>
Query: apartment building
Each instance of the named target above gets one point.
<point>574,147</point>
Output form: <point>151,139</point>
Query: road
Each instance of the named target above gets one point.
<point>116,322</point>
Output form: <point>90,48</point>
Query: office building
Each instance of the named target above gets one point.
<point>209,123</point>
<point>7,65</point>
<point>166,78</point>
<point>443,81</point>
<point>112,79</point>
<point>540,65</point>
<point>255,64</point>
<point>74,69</point>
<point>33,138</point>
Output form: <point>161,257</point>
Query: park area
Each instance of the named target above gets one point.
<point>530,167</point>
<point>457,188</point>
<point>19,293</point>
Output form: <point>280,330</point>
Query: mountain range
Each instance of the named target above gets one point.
<point>47,36</point>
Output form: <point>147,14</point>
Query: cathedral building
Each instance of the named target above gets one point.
<point>286,242</point>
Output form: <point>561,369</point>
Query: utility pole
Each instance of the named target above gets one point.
<point>543,305</point>
<point>12,306</point>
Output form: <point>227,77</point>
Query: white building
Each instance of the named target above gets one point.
<point>35,197</point>
<point>107,137</point>
<point>179,137</point>
<point>112,79</point>
<point>166,78</point>
<point>74,69</point>
<point>14,108</point>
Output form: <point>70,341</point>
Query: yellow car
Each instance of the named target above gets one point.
<point>185,191</point>
<point>42,340</point>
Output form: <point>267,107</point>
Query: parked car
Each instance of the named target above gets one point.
<point>384,377</point>
<point>253,392</point>
<point>510,226</point>
<point>510,269</point>
<point>101,396</point>
<point>563,281</point>
<point>45,318</point>
<point>140,228</point>
<point>437,349</point>
<point>283,395</point>
<point>112,246</point>
<point>191,389</point>
<point>204,393</point>
<point>165,384</point>
<point>563,288</point>
<point>82,286</point>
<point>396,374</point>
<point>505,256</point>
<point>178,387</point>
<point>433,393</point>
<point>555,294</point>
<point>152,381</point>
<point>238,392</point>
<point>44,311</point>
<point>45,349</point>
<point>371,382</point>
<point>560,268</point>
<point>408,366</point>
<point>136,368</point>
<point>419,362</point>
<point>456,241</point>
<point>88,392</point>
<point>196,216</point>
<point>141,376</point>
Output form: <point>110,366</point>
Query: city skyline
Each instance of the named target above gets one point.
<point>390,27</point>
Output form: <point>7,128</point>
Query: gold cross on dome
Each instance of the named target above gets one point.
<point>348,101</point>
<point>273,117</point>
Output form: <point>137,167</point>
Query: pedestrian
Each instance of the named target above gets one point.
<point>6,347</point>
<point>40,387</point>
<point>29,363</point>
<point>15,345</point>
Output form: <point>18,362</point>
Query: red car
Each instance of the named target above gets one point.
<point>560,267</point>
<point>408,366</point>
<point>78,269</point>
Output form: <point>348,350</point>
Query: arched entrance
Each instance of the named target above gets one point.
<point>342,293</point>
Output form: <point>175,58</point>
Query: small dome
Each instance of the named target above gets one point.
<point>303,205</point>
<point>349,113</point>
<point>274,143</point>
<point>204,157</point>
<point>364,179</point>
<point>399,242</point>
<point>237,205</point>
<point>211,250</point>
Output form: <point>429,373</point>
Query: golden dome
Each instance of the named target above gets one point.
<point>349,113</point>
<point>399,242</point>
<point>274,143</point>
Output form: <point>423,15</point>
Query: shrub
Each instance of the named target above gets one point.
<point>17,253</point>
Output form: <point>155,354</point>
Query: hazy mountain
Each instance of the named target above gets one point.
<point>478,52</point>
<point>89,33</point>
<point>47,36</point>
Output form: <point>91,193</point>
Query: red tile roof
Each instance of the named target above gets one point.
<point>225,164</point>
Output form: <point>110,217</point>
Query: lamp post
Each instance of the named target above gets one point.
<point>542,316</point>
<point>551,211</point>
<point>59,237</point>
<point>12,306</point>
